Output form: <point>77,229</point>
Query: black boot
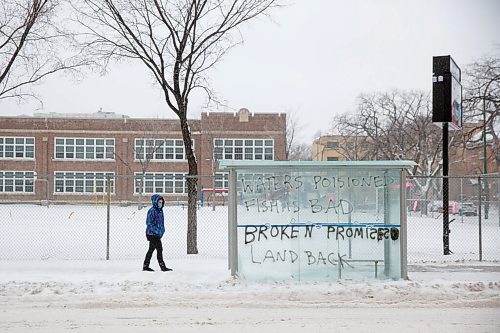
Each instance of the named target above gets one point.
<point>145,267</point>
<point>164,268</point>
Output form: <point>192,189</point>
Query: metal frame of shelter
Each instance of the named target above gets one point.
<point>234,167</point>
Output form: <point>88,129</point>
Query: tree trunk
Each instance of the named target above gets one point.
<point>192,188</point>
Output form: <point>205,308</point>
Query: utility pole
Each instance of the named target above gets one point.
<point>446,110</point>
<point>446,208</point>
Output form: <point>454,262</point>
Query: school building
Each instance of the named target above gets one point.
<point>68,158</point>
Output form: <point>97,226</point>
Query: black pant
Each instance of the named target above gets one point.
<point>154,244</point>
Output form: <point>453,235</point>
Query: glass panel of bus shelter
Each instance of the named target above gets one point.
<point>319,225</point>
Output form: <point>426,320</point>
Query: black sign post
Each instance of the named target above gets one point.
<point>446,109</point>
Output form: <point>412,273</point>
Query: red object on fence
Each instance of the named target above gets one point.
<point>217,190</point>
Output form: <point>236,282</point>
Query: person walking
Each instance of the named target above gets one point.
<point>155,229</point>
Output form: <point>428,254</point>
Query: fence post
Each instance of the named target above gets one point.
<point>498,200</point>
<point>403,230</point>
<point>350,221</point>
<point>233,224</point>
<point>108,179</point>
<point>446,217</point>
<point>461,196</point>
<point>387,218</point>
<point>480,218</point>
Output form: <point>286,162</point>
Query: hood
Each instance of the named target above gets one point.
<point>154,200</point>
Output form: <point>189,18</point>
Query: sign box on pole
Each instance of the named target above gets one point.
<point>446,92</point>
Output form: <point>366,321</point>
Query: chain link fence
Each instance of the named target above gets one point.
<point>99,226</point>
<point>473,214</point>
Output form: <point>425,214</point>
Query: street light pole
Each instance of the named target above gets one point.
<point>446,92</point>
<point>446,216</point>
<point>485,164</point>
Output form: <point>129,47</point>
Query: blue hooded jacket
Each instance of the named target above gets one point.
<point>154,220</point>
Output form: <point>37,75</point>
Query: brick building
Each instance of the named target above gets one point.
<point>468,158</point>
<point>68,158</point>
<point>464,159</point>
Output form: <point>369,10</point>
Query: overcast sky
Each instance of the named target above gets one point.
<point>313,58</point>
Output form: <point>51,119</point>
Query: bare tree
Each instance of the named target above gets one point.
<point>30,36</point>
<point>145,149</point>
<point>294,150</point>
<point>354,144</point>
<point>291,132</point>
<point>213,124</point>
<point>178,42</point>
<point>300,152</point>
<point>481,103</point>
<point>397,125</point>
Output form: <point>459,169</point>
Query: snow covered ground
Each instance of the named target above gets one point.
<point>79,232</point>
<point>42,291</point>
<point>115,296</point>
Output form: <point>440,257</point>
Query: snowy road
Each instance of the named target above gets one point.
<point>199,296</point>
<point>239,313</point>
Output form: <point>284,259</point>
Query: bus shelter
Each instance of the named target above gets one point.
<point>317,221</point>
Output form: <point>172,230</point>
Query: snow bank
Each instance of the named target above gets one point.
<point>195,278</point>
<point>199,295</point>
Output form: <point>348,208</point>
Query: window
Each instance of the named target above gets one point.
<point>85,149</point>
<point>365,145</point>
<point>83,182</point>
<point>159,149</point>
<point>168,183</point>
<point>332,158</point>
<point>17,147</point>
<point>332,145</point>
<point>222,180</point>
<point>17,182</point>
<point>244,149</point>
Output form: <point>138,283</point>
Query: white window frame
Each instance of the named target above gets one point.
<point>221,180</point>
<point>159,149</point>
<point>243,149</point>
<point>80,148</point>
<point>89,182</point>
<point>19,146</point>
<point>166,183</point>
<point>17,182</point>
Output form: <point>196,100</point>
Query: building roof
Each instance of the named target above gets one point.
<point>95,115</point>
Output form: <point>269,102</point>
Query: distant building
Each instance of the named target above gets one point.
<point>464,159</point>
<point>468,159</point>
<point>340,148</point>
<point>69,157</point>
